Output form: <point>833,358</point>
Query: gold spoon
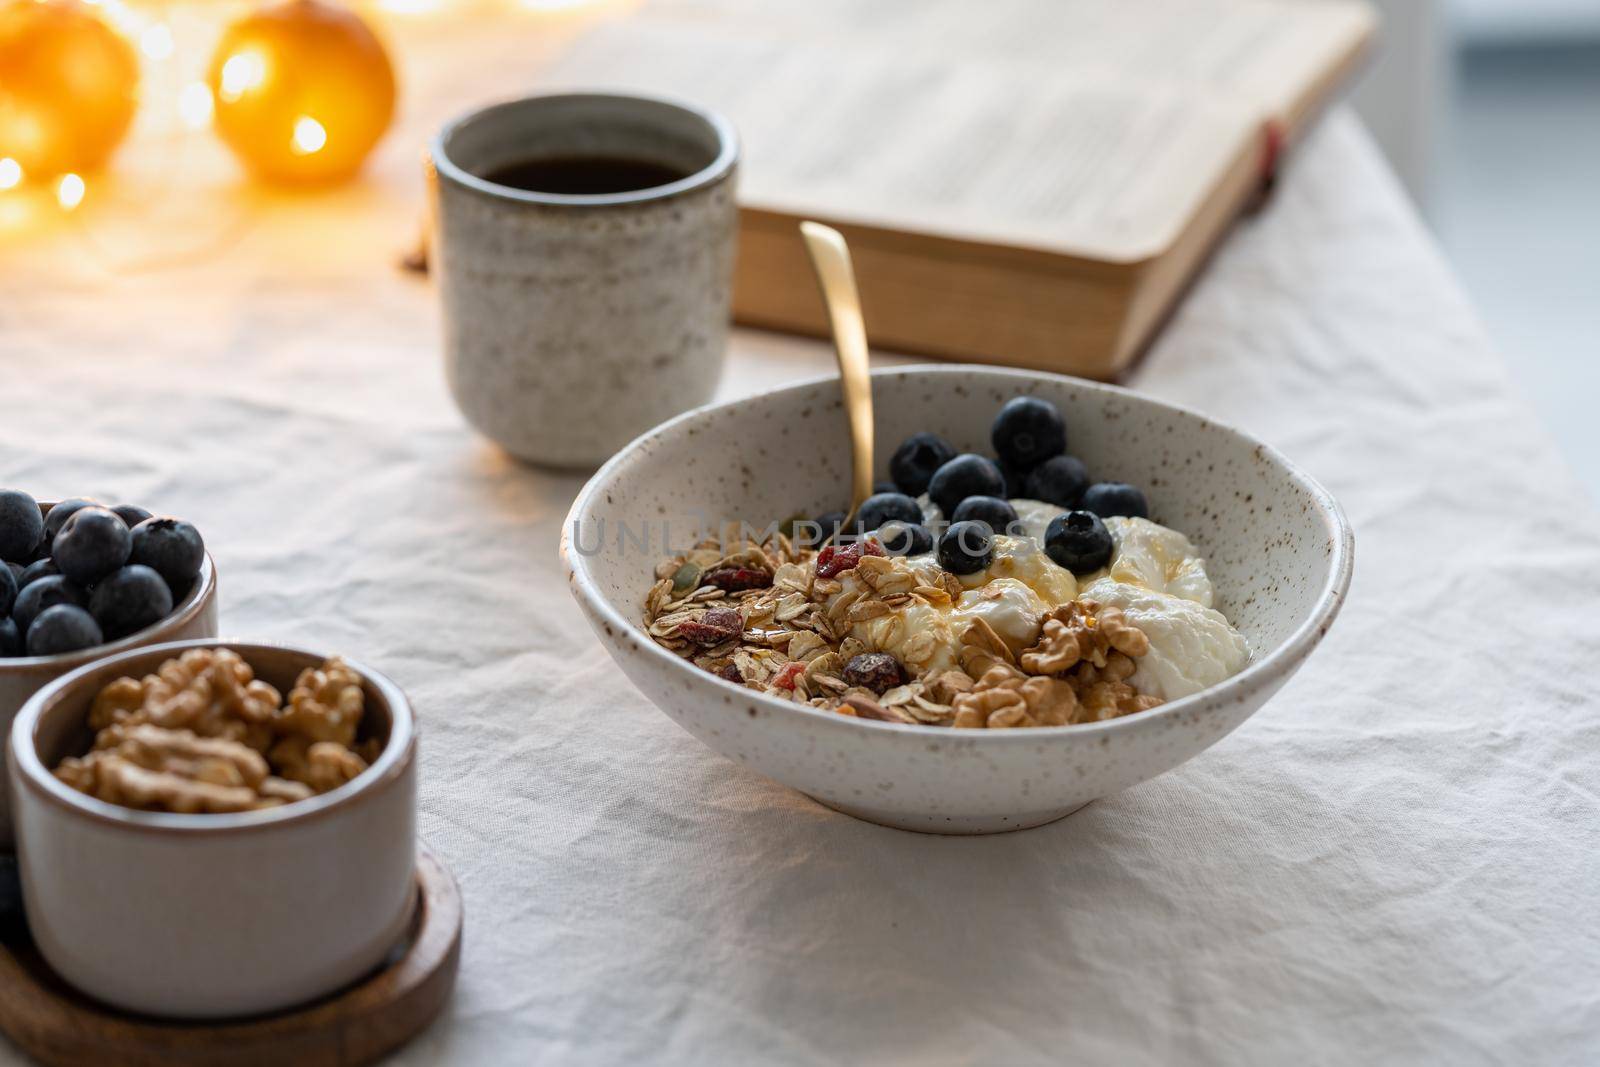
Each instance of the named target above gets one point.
<point>830,257</point>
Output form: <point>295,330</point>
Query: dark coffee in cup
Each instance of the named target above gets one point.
<point>586,174</point>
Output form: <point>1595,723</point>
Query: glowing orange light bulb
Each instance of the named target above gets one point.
<point>68,86</point>
<point>302,91</point>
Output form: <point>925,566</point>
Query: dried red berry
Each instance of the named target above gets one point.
<point>731,673</point>
<point>834,560</point>
<point>787,675</point>
<point>738,579</point>
<point>712,628</point>
<point>877,671</point>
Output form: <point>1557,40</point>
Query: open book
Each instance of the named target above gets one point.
<point>1027,182</point>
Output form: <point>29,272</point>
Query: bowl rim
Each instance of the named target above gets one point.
<point>31,774</point>
<point>1262,673</point>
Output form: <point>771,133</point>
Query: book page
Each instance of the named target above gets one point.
<point>1076,162</point>
<point>1266,52</point>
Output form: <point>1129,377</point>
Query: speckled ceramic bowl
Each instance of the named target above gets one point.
<point>1279,552</point>
<point>22,676</point>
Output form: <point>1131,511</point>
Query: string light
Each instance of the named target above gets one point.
<point>69,191</point>
<point>10,173</point>
<point>309,136</point>
<point>243,72</point>
<point>195,106</point>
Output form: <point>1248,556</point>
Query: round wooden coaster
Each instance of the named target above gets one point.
<point>59,1026</point>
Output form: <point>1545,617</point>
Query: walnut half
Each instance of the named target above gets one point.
<point>1078,671</point>
<point>1005,697</point>
<point>1082,631</point>
<point>157,769</point>
<point>211,692</point>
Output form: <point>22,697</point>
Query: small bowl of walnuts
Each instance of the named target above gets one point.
<point>215,829</point>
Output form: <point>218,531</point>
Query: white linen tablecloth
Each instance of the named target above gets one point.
<point>1396,861</point>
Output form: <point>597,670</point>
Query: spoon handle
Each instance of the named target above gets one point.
<point>830,257</point>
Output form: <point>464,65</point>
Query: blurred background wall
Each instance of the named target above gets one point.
<point>1402,95</point>
<point>1489,111</point>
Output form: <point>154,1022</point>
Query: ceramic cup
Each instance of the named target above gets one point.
<point>194,616</point>
<point>211,916</point>
<point>573,322</point>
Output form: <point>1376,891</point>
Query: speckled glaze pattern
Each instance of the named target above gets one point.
<point>194,616</point>
<point>1279,552</point>
<point>574,323</point>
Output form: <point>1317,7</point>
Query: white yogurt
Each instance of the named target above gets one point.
<point>1154,557</point>
<point>1191,646</point>
<point>1010,605</point>
<point>1155,577</point>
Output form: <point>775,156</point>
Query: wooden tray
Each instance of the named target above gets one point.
<point>59,1026</point>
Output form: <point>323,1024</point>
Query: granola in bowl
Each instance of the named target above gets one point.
<point>1081,610</point>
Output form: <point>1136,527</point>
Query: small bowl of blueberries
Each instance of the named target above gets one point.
<point>80,580</point>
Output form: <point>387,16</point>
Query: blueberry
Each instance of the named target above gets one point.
<point>44,593</point>
<point>21,525</point>
<point>969,474</point>
<point>1059,480</point>
<point>1016,480</point>
<point>905,538</point>
<point>39,568</point>
<point>884,486</point>
<point>130,514</point>
<point>966,547</point>
<point>1106,499</point>
<point>10,637</point>
<point>1078,541</point>
<point>1028,431</point>
<point>170,547</point>
<point>882,507</point>
<point>91,544</point>
<point>63,628</point>
<point>915,461</point>
<point>60,513</point>
<point>8,590</point>
<point>997,514</point>
<point>130,599</point>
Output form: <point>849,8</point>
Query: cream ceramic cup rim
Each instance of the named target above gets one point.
<point>191,605</point>
<point>715,171</point>
<point>397,753</point>
<point>1258,673</point>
